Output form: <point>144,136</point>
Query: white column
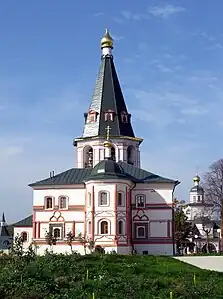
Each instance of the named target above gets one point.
<point>79,158</point>
<point>96,155</point>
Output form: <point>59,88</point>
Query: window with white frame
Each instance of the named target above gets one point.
<point>140,232</point>
<point>103,198</point>
<point>104,227</point>
<point>24,236</point>
<point>62,202</point>
<point>120,199</point>
<point>140,201</point>
<point>57,230</point>
<point>48,202</point>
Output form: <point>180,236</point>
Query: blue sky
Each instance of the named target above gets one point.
<point>169,57</point>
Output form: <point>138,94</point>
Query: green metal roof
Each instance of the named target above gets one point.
<point>26,222</point>
<point>80,175</point>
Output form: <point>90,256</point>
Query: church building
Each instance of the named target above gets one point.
<point>205,220</point>
<point>108,197</point>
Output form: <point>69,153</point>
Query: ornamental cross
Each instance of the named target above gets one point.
<point>108,129</point>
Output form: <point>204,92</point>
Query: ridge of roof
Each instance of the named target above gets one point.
<point>79,175</point>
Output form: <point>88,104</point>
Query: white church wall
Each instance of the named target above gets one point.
<point>156,194</point>
<point>155,249</point>
<point>158,229</point>
<point>18,233</point>
<point>79,228</point>
<point>159,214</point>
<point>120,145</point>
<point>76,196</point>
<point>67,215</point>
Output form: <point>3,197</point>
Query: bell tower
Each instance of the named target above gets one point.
<point>107,109</point>
<point>196,192</point>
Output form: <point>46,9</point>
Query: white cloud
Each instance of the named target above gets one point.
<point>165,11</point>
<point>117,37</point>
<point>128,15</point>
<point>8,151</point>
<point>99,14</point>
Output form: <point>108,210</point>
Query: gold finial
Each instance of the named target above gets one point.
<point>108,143</point>
<point>196,178</point>
<point>107,40</point>
<point>108,129</point>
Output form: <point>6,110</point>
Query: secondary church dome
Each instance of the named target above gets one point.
<point>107,166</point>
<point>107,169</point>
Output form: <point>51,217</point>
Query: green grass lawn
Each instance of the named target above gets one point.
<point>107,276</point>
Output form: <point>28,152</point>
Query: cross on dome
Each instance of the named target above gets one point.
<point>108,129</point>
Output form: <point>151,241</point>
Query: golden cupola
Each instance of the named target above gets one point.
<point>196,179</point>
<point>107,40</point>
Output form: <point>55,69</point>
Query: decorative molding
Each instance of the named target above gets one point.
<point>141,216</point>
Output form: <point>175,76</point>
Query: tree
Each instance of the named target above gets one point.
<point>182,228</point>
<point>17,247</point>
<point>70,239</point>
<point>213,187</point>
<point>50,239</point>
<point>86,242</point>
<point>82,239</point>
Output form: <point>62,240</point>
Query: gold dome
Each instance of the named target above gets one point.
<point>196,178</point>
<point>107,40</point>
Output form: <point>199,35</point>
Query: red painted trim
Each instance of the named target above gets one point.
<point>24,226</point>
<point>169,228</point>
<point>61,221</point>
<point>34,230</point>
<point>129,217</point>
<point>159,204</point>
<point>93,211</point>
<point>38,230</point>
<point>154,242</point>
<point>115,210</point>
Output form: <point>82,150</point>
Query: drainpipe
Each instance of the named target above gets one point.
<point>173,223</point>
<point>130,191</point>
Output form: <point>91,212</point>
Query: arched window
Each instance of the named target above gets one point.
<point>49,203</point>
<point>89,199</point>
<point>88,156</point>
<point>140,201</point>
<point>120,199</point>
<point>131,155</point>
<point>62,202</point>
<point>103,198</point>
<point>124,117</point>
<point>92,116</point>
<point>24,236</point>
<point>113,154</point>
<point>56,233</point>
<point>104,227</point>
<point>141,232</point>
<point>120,227</point>
<point>109,115</point>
